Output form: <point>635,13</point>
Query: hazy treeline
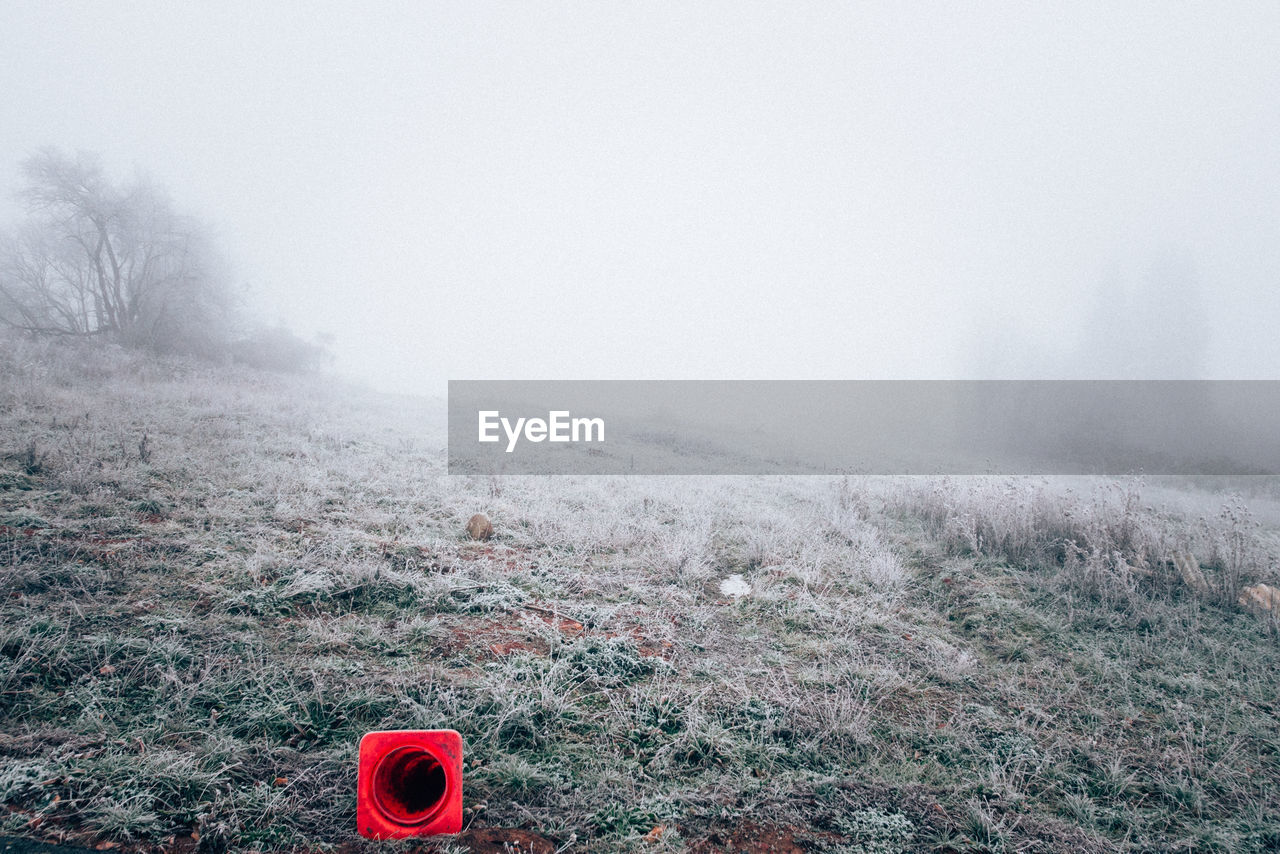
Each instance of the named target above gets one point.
<point>95,258</point>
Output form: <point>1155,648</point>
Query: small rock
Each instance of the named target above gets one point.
<point>735,585</point>
<point>1261,597</point>
<point>479,527</point>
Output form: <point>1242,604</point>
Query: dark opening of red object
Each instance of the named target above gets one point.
<point>409,785</point>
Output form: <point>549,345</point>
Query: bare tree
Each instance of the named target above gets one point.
<point>99,259</point>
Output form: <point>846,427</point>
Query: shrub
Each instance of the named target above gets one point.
<point>276,348</point>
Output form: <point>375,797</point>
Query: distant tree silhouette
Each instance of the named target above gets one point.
<point>275,348</point>
<point>96,258</point>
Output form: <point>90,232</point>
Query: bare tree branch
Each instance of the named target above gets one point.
<point>98,259</point>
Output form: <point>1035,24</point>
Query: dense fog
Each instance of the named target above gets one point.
<point>823,191</point>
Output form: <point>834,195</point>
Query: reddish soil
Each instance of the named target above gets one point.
<point>749,838</point>
<point>490,840</point>
<point>497,840</point>
<point>506,635</point>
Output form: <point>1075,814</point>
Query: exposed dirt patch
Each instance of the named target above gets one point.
<point>504,648</point>
<point>88,844</point>
<point>648,647</point>
<point>12,845</point>
<point>748,838</point>
<point>510,634</point>
<point>565,625</point>
<point>501,840</point>
<point>488,840</point>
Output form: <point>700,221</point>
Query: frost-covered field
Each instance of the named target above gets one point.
<point>215,581</point>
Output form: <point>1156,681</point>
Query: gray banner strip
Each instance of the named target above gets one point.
<point>1219,427</point>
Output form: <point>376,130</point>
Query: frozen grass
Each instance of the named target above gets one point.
<point>215,581</point>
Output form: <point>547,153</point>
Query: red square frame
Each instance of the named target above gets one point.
<point>409,783</point>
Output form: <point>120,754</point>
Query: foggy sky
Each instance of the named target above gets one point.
<point>585,190</point>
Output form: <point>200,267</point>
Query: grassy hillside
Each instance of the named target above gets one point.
<point>212,582</point>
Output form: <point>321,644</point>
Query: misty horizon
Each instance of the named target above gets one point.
<point>484,192</point>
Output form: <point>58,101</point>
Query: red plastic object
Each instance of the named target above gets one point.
<point>410,783</point>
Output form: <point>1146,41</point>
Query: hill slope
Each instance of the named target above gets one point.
<point>215,581</point>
